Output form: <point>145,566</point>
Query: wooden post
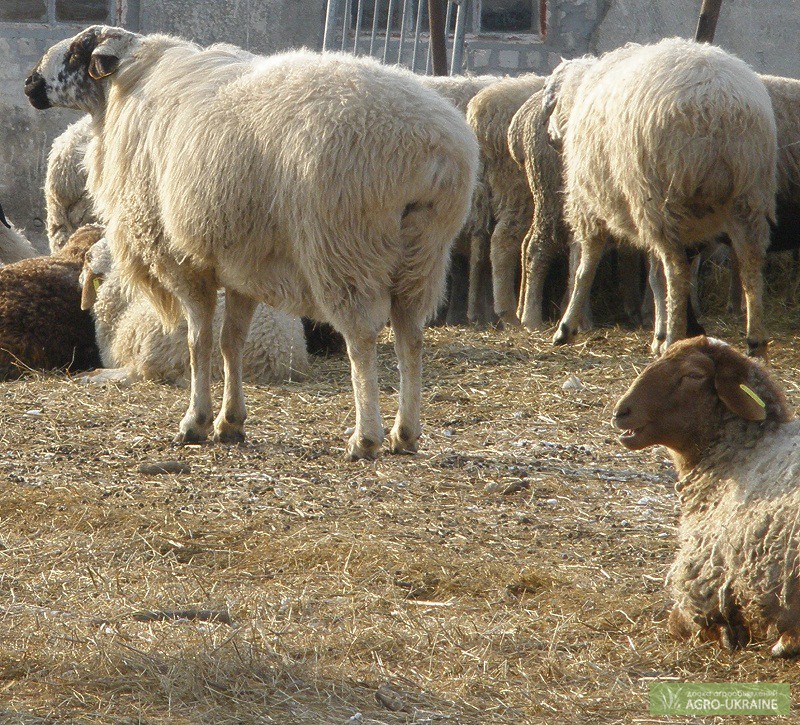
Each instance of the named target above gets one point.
<point>543,18</point>
<point>707,23</point>
<point>438,47</point>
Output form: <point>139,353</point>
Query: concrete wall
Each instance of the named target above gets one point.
<point>765,34</point>
<point>264,26</point>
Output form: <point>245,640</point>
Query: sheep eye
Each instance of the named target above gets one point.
<point>693,376</point>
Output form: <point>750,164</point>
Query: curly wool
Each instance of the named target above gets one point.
<point>69,205</point>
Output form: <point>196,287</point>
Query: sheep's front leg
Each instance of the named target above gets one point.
<point>199,306</point>
<point>408,332</point>
<point>658,288</point>
<point>677,272</point>
<point>229,425</point>
<point>591,252</point>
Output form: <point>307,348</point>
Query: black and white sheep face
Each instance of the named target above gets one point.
<point>71,73</point>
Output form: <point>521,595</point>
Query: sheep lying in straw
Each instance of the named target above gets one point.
<point>490,113</point>
<point>14,245</point>
<point>133,344</point>
<point>42,326</point>
<point>730,433</point>
<point>326,185</point>
<point>666,146</point>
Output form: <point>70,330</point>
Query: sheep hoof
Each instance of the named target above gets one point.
<point>229,435</point>
<point>359,447</point>
<point>659,345</point>
<point>756,348</point>
<point>189,437</point>
<point>402,442</point>
<point>563,335</point>
<point>788,645</point>
<point>509,319</point>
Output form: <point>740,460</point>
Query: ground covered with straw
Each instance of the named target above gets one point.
<point>510,572</point>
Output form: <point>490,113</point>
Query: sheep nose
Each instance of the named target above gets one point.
<point>33,79</point>
<point>620,413</point>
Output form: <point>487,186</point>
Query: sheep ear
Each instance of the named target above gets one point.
<point>89,290</point>
<point>740,399</point>
<point>102,64</point>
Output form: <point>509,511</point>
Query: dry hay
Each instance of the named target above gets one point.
<point>510,572</point>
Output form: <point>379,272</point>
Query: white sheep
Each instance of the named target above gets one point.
<point>14,245</point>
<point>69,205</point>
<point>737,451</point>
<point>490,113</point>
<point>470,272</point>
<point>130,336</point>
<point>666,146</point>
<point>326,185</point>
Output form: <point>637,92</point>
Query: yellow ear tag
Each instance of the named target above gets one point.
<point>753,395</point>
<point>96,283</point>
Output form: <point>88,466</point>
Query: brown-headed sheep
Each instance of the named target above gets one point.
<point>322,184</point>
<point>731,435</point>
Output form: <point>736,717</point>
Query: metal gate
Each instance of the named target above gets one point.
<point>394,31</point>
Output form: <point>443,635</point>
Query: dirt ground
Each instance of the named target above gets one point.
<point>511,572</point>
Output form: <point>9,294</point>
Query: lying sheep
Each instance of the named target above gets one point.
<point>14,245</point>
<point>42,326</point>
<point>490,113</point>
<point>667,145</point>
<point>130,335</point>
<point>322,184</point>
<point>469,270</point>
<point>69,205</point>
<point>737,450</point>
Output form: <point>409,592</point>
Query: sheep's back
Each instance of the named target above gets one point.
<point>676,122</point>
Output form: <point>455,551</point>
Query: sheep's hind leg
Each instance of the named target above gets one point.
<point>591,252</point>
<point>749,242</point>
<point>408,332</point>
<point>229,425</point>
<point>199,305</point>
<point>361,335</point>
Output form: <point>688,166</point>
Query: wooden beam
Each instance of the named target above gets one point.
<point>436,19</point>
<point>707,22</point>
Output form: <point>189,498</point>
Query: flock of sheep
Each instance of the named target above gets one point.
<point>335,187</point>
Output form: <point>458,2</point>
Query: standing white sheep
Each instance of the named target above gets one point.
<point>490,113</point>
<point>326,185</point>
<point>729,430</point>
<point>667,145</point>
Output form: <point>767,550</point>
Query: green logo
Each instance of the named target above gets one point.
<point>719,698</point>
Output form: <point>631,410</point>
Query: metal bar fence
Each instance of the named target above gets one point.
<point>360,25</point>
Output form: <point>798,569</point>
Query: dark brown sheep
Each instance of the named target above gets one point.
<point>42,326</point>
